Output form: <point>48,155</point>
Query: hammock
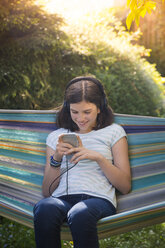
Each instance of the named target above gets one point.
<point>22,159</point>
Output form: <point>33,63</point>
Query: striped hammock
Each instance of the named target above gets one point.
<point>22,159</point>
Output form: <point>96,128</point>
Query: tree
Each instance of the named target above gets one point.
<point>139,8</point>
<point>132,84</point>
<point>29,40</point>
<point>153,29</point>
<point>39,55</point>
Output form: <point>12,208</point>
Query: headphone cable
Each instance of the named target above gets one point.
<point>60,176</point>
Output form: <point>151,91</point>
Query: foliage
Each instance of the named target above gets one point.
<point>40,54</point>
<point>149,237</point>
<point>31,43</point>
<point>14,235</point>
<point>156,41</point>
<point>36,57</point>
<point>152,28</point>
<point>132,84</point>
<point>139,8</point>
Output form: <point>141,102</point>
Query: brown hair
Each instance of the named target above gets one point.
<point>87,89</point>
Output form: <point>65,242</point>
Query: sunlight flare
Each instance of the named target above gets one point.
<point>74,9</point>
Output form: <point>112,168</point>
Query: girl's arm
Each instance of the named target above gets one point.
<point>50,174</point>
<point>50,182</point>
<point>118,174</point>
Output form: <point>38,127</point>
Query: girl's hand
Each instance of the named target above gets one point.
<point>83,153</point>
<point>63,148</point>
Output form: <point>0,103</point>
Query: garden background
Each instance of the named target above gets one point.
<point>41,50</point>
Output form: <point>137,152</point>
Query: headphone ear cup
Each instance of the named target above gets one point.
<point>66,106</point>
<point>103,103</point>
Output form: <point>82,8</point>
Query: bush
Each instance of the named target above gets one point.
<point>132,84</point>
<point>14,235</point>
<point>40,54</point>
<point>32,47</point>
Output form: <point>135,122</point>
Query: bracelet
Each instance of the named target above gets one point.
<point>54,162</point>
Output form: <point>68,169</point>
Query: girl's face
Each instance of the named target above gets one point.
<point>84,114</point>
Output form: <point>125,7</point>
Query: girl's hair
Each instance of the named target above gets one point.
<point>87,89</point>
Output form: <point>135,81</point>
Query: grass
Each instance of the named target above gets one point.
<point>14,235</point>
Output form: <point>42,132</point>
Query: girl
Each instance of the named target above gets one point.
<point>79,182</point>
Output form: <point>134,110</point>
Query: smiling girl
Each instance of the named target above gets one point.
<point>80,189</point>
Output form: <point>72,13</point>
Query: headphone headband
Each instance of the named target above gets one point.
<point>87,78</point>
<point>92,79</point>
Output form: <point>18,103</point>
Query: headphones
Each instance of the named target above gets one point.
<point>91,79</point>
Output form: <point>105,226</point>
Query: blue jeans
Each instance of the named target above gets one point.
<point>80,211</point>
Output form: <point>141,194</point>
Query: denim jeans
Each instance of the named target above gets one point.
<point>81,212</point>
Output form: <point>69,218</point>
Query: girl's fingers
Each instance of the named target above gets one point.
<point>62,148</point>
<point>79,141</point>
<point>74,150</point>
<point>79,156</point>
<point>85,154</point>
<point>60,138</point>
<point>62,145</point>
<point>66,149</point>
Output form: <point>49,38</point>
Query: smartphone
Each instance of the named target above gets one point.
<point>71,139</point>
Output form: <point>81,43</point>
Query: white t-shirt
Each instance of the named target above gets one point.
<point>87,177</point>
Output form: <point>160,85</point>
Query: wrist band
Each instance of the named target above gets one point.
<point>54,162</point>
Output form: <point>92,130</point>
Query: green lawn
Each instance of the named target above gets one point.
<point>14,235</point>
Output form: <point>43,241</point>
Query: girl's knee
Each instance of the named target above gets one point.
<point>80,215</point>
<point>46,208</point>
<point>42,206</point>
<point>51,209</point>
